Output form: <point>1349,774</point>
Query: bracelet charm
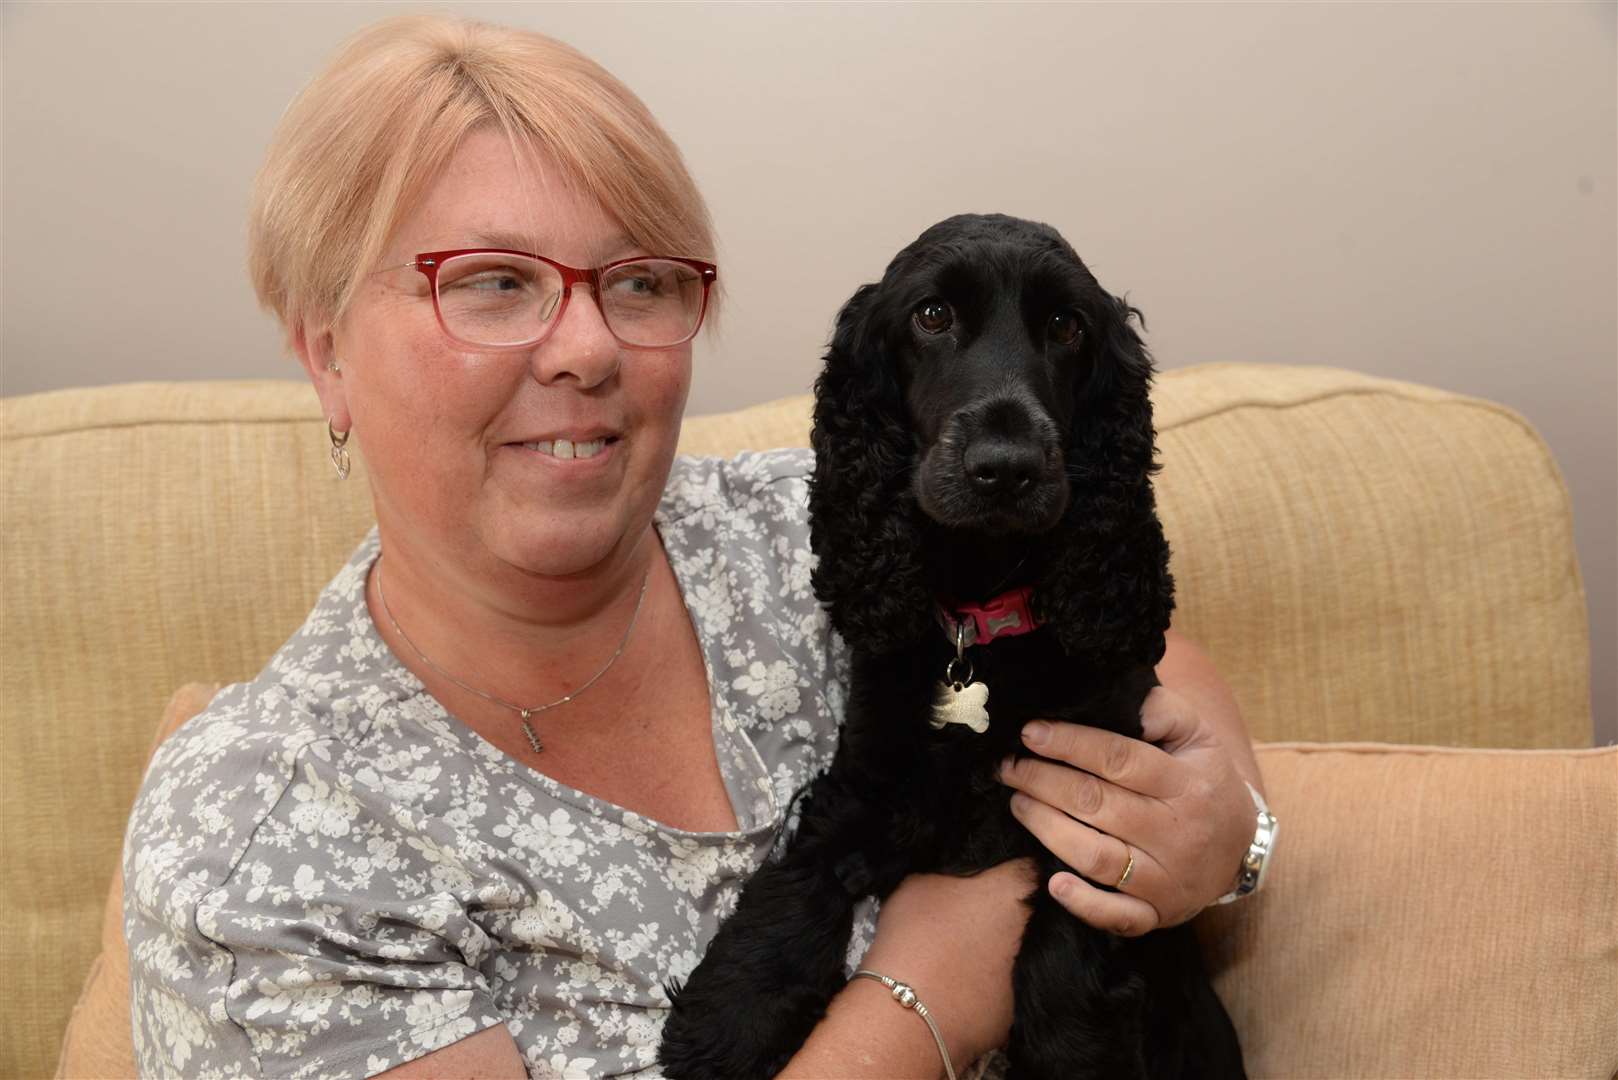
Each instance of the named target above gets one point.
<point>905,995</point>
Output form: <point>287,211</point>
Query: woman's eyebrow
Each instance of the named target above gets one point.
<point>616,246</point>
<point>496,239</point>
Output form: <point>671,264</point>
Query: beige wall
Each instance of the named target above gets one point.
<point>1424,191</point>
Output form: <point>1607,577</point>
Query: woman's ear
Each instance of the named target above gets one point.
<point>317,352</point>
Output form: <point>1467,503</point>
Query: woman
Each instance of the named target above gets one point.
<point>505,781</point>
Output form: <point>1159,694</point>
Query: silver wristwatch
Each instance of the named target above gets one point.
<point>1251,876</point>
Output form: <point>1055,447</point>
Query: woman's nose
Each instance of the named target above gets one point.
<point>581,347</point>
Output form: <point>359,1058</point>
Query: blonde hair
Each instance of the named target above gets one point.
<point>362,142</point>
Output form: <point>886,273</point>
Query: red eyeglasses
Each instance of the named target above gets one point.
<point>497,298</point>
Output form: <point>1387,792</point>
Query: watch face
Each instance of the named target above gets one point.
<point>1257,860</point>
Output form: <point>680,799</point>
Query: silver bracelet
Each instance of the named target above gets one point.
<point>906,997</point>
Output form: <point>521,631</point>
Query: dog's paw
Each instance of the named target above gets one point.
<point>732,1041</point>
<point>724,1026</point>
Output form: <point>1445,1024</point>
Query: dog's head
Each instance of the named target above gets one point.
<point>988,394</point>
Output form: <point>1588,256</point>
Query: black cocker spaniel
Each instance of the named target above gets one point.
<point>983,516</point>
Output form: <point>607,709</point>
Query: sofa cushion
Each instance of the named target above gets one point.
<point>1372,560</point>
<point>1431,912</point>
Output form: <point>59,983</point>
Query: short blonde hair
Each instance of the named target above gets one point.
<point>363,141</point>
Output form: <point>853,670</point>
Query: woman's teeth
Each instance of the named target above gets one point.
<point>567,449</point>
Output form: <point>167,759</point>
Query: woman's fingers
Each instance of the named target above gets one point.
<point>1080,795</point>
<point>1094,798</point>
<point>1129,763</point>
<point>1101,858</point>
<point>1118,913</point>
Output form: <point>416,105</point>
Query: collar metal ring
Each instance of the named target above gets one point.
<point>952,672</point>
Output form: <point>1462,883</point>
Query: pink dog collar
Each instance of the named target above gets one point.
<point>1007,615</point>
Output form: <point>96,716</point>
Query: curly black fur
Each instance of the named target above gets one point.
<point>982,422</point>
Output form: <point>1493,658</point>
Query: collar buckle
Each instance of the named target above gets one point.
<point>1007,615</point>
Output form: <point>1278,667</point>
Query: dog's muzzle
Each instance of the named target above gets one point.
<point>998,468</point>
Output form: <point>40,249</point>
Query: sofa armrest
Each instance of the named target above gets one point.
<point>97,1042</point>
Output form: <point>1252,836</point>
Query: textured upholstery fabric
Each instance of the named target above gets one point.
<point>1382,944</point>
<point>1364,559</point>
<point>1433,912</point>
<point>1371,560</point>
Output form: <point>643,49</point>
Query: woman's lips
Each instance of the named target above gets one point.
<point>583,454</point>
<point>567,449</point>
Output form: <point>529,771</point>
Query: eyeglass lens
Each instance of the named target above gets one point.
<point>493,298</point>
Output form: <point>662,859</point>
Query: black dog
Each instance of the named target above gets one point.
<point>982,433</point>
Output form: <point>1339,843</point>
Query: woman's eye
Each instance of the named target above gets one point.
<point>502,280</point>
<point>934,316</point>
<point>1064,328</point>
<point>638,284</point>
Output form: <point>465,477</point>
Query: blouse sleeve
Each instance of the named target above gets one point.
<point>337,944</point>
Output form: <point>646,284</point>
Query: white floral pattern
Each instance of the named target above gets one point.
<point>330,876</point>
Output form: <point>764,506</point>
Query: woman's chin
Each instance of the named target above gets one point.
<point>576,545</point>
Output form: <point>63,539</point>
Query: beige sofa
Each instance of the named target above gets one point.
<point>1384,572</point>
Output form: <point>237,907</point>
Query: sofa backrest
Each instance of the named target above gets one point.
<point>1364,560</point>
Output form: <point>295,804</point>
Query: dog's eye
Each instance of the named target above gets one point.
<point>934,316</point>
<point>1064,328</point>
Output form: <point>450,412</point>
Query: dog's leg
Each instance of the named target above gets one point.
<point>1081,1001</point>
<point>774,965</point>
<point>1187,1031</point>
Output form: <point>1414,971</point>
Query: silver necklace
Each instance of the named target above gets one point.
<point>524,714</point>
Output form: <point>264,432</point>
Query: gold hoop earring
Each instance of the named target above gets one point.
<point>339,456</point>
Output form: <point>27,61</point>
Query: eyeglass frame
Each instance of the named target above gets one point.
<point>427,262</point>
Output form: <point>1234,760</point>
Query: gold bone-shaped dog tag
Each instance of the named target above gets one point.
<point>956,703</point>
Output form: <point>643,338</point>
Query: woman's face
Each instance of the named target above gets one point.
<point>448,432</point>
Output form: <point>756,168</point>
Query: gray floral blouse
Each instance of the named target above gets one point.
<point>327,875</point>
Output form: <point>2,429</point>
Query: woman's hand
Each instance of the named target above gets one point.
<point>1179,807</point>
<point>954,940</point>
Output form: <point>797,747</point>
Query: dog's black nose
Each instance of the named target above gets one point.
<point>1001,466</point>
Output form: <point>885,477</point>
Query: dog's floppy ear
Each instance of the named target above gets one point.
<point>864,526</point>
<point>1119,440</point>
<point>1114,565</point>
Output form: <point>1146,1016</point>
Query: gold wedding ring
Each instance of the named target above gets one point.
<point>1129,868</point>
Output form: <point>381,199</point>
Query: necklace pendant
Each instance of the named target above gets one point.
<point>524,714</point>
